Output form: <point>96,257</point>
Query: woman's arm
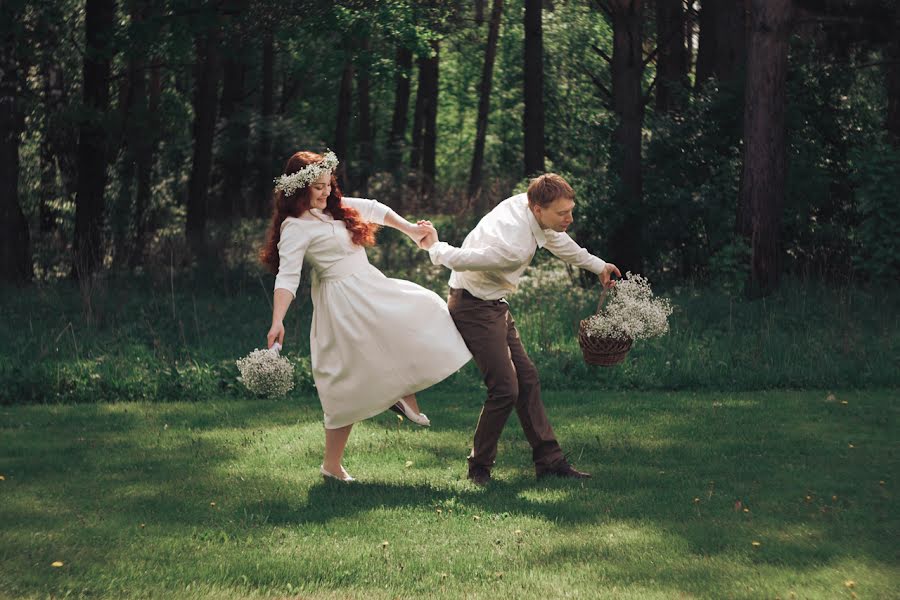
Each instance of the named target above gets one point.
<point>280,304</point>
<point>415,231</point>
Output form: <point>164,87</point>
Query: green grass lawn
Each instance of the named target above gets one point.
<point>223,500</point>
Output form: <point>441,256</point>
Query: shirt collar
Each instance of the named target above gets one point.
<point>539,236</point>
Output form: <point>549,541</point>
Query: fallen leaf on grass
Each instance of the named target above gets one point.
<point>56,563</point>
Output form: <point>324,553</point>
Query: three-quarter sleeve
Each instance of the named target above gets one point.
<point>291,248</point>
<point>372,211</point>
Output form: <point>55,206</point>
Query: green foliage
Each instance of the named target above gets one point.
<point>876,175</point>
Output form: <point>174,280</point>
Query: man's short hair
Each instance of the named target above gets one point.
<point>548,187</point>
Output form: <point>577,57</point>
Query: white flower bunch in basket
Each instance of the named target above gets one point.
<point>631,312</point>
<point>266,373</point>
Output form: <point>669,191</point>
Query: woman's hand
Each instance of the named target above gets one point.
<point>417,232</point>
<point>276,334</point>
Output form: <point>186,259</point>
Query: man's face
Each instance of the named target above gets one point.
<point>556,216</point>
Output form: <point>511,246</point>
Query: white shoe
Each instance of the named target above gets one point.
<point>346,476</point>
<point>404,409</point>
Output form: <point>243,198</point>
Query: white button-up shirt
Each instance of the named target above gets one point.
<point>496,253</point>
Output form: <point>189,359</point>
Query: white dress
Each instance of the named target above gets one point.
<point>373,339</point>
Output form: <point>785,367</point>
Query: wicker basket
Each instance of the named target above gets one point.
<point>604,352</point>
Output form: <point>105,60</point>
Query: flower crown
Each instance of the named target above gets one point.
<point>305,176</point>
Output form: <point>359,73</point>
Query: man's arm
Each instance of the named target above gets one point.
<point>499,257</point>
<point>566,249</point>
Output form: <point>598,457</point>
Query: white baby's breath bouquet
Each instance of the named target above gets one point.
<point>631,312</point>
<point>266,373</point>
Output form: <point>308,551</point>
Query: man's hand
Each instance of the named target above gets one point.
<point>431,238</point>
<point>606,275</point>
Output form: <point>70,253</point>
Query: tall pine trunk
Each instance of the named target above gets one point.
<point>342,127</point>
<point>484,104</point>
<point>92,141</point>
<point>366,131</point>
<point>424,135</point>
<point>397,137</point>
<point>892,81</point>
<point>206,86</point>
<point>235,133</point>
<point>627,72</point>
<point>533,120</point>
<point>15,246</point>
<point>671,62</point>
<point>764,150</point>
<point>429,133</point>
<point>264,166</point>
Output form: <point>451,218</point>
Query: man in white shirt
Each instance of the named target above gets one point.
<point>485,269</point>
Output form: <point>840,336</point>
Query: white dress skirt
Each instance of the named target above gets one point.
<point>373,339</point>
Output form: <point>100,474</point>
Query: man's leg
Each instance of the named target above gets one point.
<point>483,326</point>
<point>545,449</point>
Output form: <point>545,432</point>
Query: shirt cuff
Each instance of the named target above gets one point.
<point>434,253</point>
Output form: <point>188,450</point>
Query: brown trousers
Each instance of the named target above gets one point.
<point>511,379</point>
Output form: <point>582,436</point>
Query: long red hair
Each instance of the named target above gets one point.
<point>294,205</point>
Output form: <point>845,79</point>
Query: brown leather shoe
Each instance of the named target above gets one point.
<point>560,468</point>
<point>479,475</point>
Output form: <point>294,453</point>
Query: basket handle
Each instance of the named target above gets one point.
<point>603,296</point>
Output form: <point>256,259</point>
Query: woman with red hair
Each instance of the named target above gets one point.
<point>374,341</point>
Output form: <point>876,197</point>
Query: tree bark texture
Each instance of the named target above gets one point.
<point>265,174</point>
<point>534,88</point>
<point>366,130</point>
<point>484,103</point>
<point>206,80</point>
<point>764,151</point>
<point>397,137</point>
<point>342,127</point>
<point>92,141</point>
<point>627,73</point>
<point>671,57</point>
<point>15,246</point>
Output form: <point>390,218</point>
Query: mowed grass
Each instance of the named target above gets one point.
<point>695,495</point>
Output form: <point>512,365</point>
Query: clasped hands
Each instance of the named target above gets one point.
<point>424,234</point>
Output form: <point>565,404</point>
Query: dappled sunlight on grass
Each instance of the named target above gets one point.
<point>696,494</point>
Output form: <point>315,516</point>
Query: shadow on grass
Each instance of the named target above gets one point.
<point>808,472</point>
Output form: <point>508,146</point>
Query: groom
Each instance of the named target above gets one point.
<point>485,270</point>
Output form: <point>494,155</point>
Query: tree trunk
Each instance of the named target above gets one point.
<point>731,46</point>
<point>627,72</point>
<point>342,128</point>
<point>206,80</point>
<point>534,88</point>
<point>484,103</point>
<point>92,142</point>
<point>424,136</point>
<point>892,81</point>
<point>671,61</point>
<point>235,132</point>
<point>146,153</point>
<point>265,174</point>
<point>366,131</point>
<point>15,245</point>
<point>722,48</point>
<point>429,134</point>
<point>764,150</point>
<point>396,140</point>
<point>707,44</point>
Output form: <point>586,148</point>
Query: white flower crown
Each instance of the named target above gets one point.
<point>305,176</point>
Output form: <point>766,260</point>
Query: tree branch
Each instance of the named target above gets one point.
<point>597,83</point>
<point>602,54</point>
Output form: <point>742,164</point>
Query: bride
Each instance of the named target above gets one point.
<point>374,341</point>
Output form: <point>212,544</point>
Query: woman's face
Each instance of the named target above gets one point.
<point>319,191</point>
